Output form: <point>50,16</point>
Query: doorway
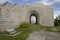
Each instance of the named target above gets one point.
<point>33,18</point>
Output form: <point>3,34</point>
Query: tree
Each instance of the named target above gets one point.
<point>57,21</point>
<point>59,17</point>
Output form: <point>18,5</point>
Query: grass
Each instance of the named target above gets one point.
<point>26,31</point>
<point>58,27</point>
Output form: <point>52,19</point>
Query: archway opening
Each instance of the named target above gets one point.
<point>33,18</point>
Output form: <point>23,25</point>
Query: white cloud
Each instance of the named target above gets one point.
<point>45,2</point>
<point>55,16</point>
<point>26,0</point>
<point>56,13</point>
<point>51,0</point>
<point>3,1</point>
<point>57,0</point>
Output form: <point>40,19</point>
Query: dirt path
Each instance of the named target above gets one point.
<point>41,35</point>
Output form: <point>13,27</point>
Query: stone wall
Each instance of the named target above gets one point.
<point>13,15</point>
<point>45,14</point>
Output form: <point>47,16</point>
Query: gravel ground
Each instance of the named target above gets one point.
<point>41,35</point>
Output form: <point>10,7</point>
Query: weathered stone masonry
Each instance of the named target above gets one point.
<point>12,15</point>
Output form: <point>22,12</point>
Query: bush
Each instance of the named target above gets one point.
<point>24,25</point>
<point>57,21</point>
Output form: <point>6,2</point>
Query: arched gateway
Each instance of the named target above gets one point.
<point>34,17</point>
<point>17,14</point>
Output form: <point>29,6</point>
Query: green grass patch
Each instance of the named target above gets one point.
<point>26,30</point>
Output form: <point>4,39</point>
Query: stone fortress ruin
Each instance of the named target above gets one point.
<point>12,15</point>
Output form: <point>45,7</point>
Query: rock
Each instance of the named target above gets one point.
<point>54,29</point>
<point>11,31</point>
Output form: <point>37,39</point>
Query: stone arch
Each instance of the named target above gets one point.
<point>36,15</point>
<point>33,18</point>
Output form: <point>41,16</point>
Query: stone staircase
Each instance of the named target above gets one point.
<point>2,21</point>
<point>6,22</point>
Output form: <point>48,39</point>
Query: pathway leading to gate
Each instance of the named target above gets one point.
<point>41,35</point>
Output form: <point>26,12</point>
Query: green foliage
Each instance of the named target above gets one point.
<point>26,31</point>
<point>57,21</point>
<point>24,25</point>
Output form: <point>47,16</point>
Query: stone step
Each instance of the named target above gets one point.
<point>3,17</point>
<point>2,22</point>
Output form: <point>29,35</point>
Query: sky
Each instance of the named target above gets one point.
<point>55,4</point>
